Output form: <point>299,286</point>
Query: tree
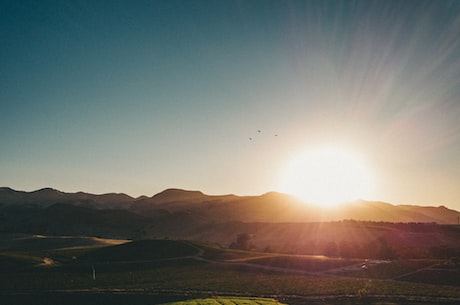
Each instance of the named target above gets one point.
<point>243,242</point>
<point>385,251</point>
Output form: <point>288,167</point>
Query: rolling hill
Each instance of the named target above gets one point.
<point>273,220</point>
<point>270,207</point>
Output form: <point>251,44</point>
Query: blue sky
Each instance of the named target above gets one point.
<point>139,96</point>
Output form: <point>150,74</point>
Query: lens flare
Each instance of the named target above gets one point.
<point>328,176</point>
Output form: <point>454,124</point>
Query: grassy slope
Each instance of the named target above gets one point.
<point>228,301</point>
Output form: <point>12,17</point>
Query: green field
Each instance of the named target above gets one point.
<point>186,269</point>
<point>228,301</point>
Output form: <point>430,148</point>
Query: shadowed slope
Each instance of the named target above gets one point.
<point>141,250</point>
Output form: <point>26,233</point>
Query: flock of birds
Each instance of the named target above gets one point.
<point>259,132</point>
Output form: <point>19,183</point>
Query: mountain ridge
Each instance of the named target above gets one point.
<point>49,196</point>
<point>268,207</point>
<point>274,220</point>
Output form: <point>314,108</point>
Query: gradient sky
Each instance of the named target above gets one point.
<point>139,96</point>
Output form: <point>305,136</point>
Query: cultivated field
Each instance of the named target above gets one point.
<point>161,271</point>
<point>228,301</point>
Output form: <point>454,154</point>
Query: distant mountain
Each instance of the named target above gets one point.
<point>278,207</point>
<point>47,196</point>
<point>270,207</point>
<point>278,221</point>
<point>178,195</point>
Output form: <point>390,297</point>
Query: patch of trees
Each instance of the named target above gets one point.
<point>244,241</point>
<point>444,251</point>
<point>378,249</point>
<point>382,249</point>
<point>374,240</point>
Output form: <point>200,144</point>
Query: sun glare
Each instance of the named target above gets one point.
<point>327,176</point>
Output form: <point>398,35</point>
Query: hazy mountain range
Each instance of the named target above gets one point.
<point>274,219</point>
<point>270,207</point>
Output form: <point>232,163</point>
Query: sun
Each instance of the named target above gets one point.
<point>327,176</point>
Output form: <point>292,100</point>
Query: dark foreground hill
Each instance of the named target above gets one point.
<point>141,250</point>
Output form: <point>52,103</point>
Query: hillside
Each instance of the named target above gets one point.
<point>47,196</point>
<point>141,250</point>
<point>273,221</point>
<point>270,207</point>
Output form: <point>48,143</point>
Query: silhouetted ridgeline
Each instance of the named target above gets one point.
<point>274,221</point>
<point>270,207</point>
